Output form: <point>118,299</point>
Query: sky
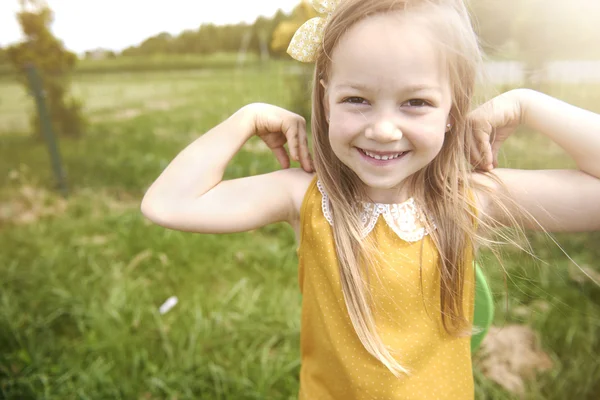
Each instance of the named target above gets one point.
<point>116,24</point>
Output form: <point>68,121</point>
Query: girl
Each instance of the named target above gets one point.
<point>389,216</point>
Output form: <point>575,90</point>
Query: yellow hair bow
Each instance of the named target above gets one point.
<point>309,36</point>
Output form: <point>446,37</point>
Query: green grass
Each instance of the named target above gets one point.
<point>159,62</point>
<point>82,283</point>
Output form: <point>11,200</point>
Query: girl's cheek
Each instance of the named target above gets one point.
<point>426,138</point>
<point>342,126</point>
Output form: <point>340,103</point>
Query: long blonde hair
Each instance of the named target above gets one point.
<point>443,188</point>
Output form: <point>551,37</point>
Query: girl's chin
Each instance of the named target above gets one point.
<point>383,183</point>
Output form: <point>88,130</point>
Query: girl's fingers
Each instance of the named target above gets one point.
<point>283,126</point>
<point>476,157</point>
<point>291,133</point>
<point>482,150</point>
<point>305,160</point>
<point>488,163</point>
<point>282,157</point>
<point>495,149</point>
<point>486,153</point>
<point>475,151</point>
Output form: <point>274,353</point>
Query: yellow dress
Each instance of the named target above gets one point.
<point>335,365</point>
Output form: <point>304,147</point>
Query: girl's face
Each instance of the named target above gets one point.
<point>388,100</point>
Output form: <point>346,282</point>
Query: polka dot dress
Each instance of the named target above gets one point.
<point>335,365</point>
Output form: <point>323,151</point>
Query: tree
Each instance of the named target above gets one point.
<point>159,44</point>
<point>300,83</point>
<point>279,17</point>
<point>283,33</point>
<point>261,31</point>
<point>3,56</point>
<point>54,63</point>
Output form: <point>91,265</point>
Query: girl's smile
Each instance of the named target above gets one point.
<point>381,159</point>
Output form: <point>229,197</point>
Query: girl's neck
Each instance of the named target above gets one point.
<point>395,195</point>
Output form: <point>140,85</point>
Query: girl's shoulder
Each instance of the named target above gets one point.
<point>298,183</point>
<point>482,184</point>
<point>494,197</point>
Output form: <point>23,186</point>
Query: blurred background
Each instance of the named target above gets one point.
<point>96,97</point>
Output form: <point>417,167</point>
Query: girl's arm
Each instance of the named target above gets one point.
<point>560,200</point>
<point>190,195</point>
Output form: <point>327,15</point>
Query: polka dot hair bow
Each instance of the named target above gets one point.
<point>309,36</point>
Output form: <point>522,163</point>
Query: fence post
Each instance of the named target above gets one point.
<point>37,90</point>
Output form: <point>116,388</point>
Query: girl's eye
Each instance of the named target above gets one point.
<point>354,100</point>
<point>417,103</point>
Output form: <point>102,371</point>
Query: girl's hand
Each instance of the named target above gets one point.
<point>276,127</point>
<point>492,123</point>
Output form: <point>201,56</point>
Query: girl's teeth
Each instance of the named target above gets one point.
<point>378,157</point>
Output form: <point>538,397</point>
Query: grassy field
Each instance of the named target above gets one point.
<point>83,277</point>
<point>155,63</point>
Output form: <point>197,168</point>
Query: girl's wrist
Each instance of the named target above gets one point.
<point>525,99</point>
<point>242,122</point>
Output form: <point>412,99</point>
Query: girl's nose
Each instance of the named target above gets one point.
<point>384,131</point>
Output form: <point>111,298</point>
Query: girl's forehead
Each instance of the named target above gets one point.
<point>388,49</point>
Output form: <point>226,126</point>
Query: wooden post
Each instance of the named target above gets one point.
<point>37,90</point>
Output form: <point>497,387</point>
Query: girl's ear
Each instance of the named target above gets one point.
<point>325,101</point>
<point>450,122</point>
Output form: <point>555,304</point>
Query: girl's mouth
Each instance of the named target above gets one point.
<point>381,159</point>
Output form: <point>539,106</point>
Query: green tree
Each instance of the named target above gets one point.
<point>3,56</point>
<point>300,84</point>
<point>285,29</point>
<point>54,63</point>
<point>159,44</point>
<point>187,42</point>
<point>279,17</point>
<point>261,31</point>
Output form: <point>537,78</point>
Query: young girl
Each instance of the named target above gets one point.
<point>389,216</point>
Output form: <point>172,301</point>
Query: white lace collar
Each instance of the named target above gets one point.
<point>405,219</point>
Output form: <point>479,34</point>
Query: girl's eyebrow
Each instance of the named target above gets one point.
<point>410,88</point>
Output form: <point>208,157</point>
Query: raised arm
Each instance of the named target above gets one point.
<point>190,194</point>
<point>560,200</point>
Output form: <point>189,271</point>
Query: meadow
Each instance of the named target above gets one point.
<point>83,277</point>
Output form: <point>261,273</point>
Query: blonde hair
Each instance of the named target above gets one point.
<point>443,188</point>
